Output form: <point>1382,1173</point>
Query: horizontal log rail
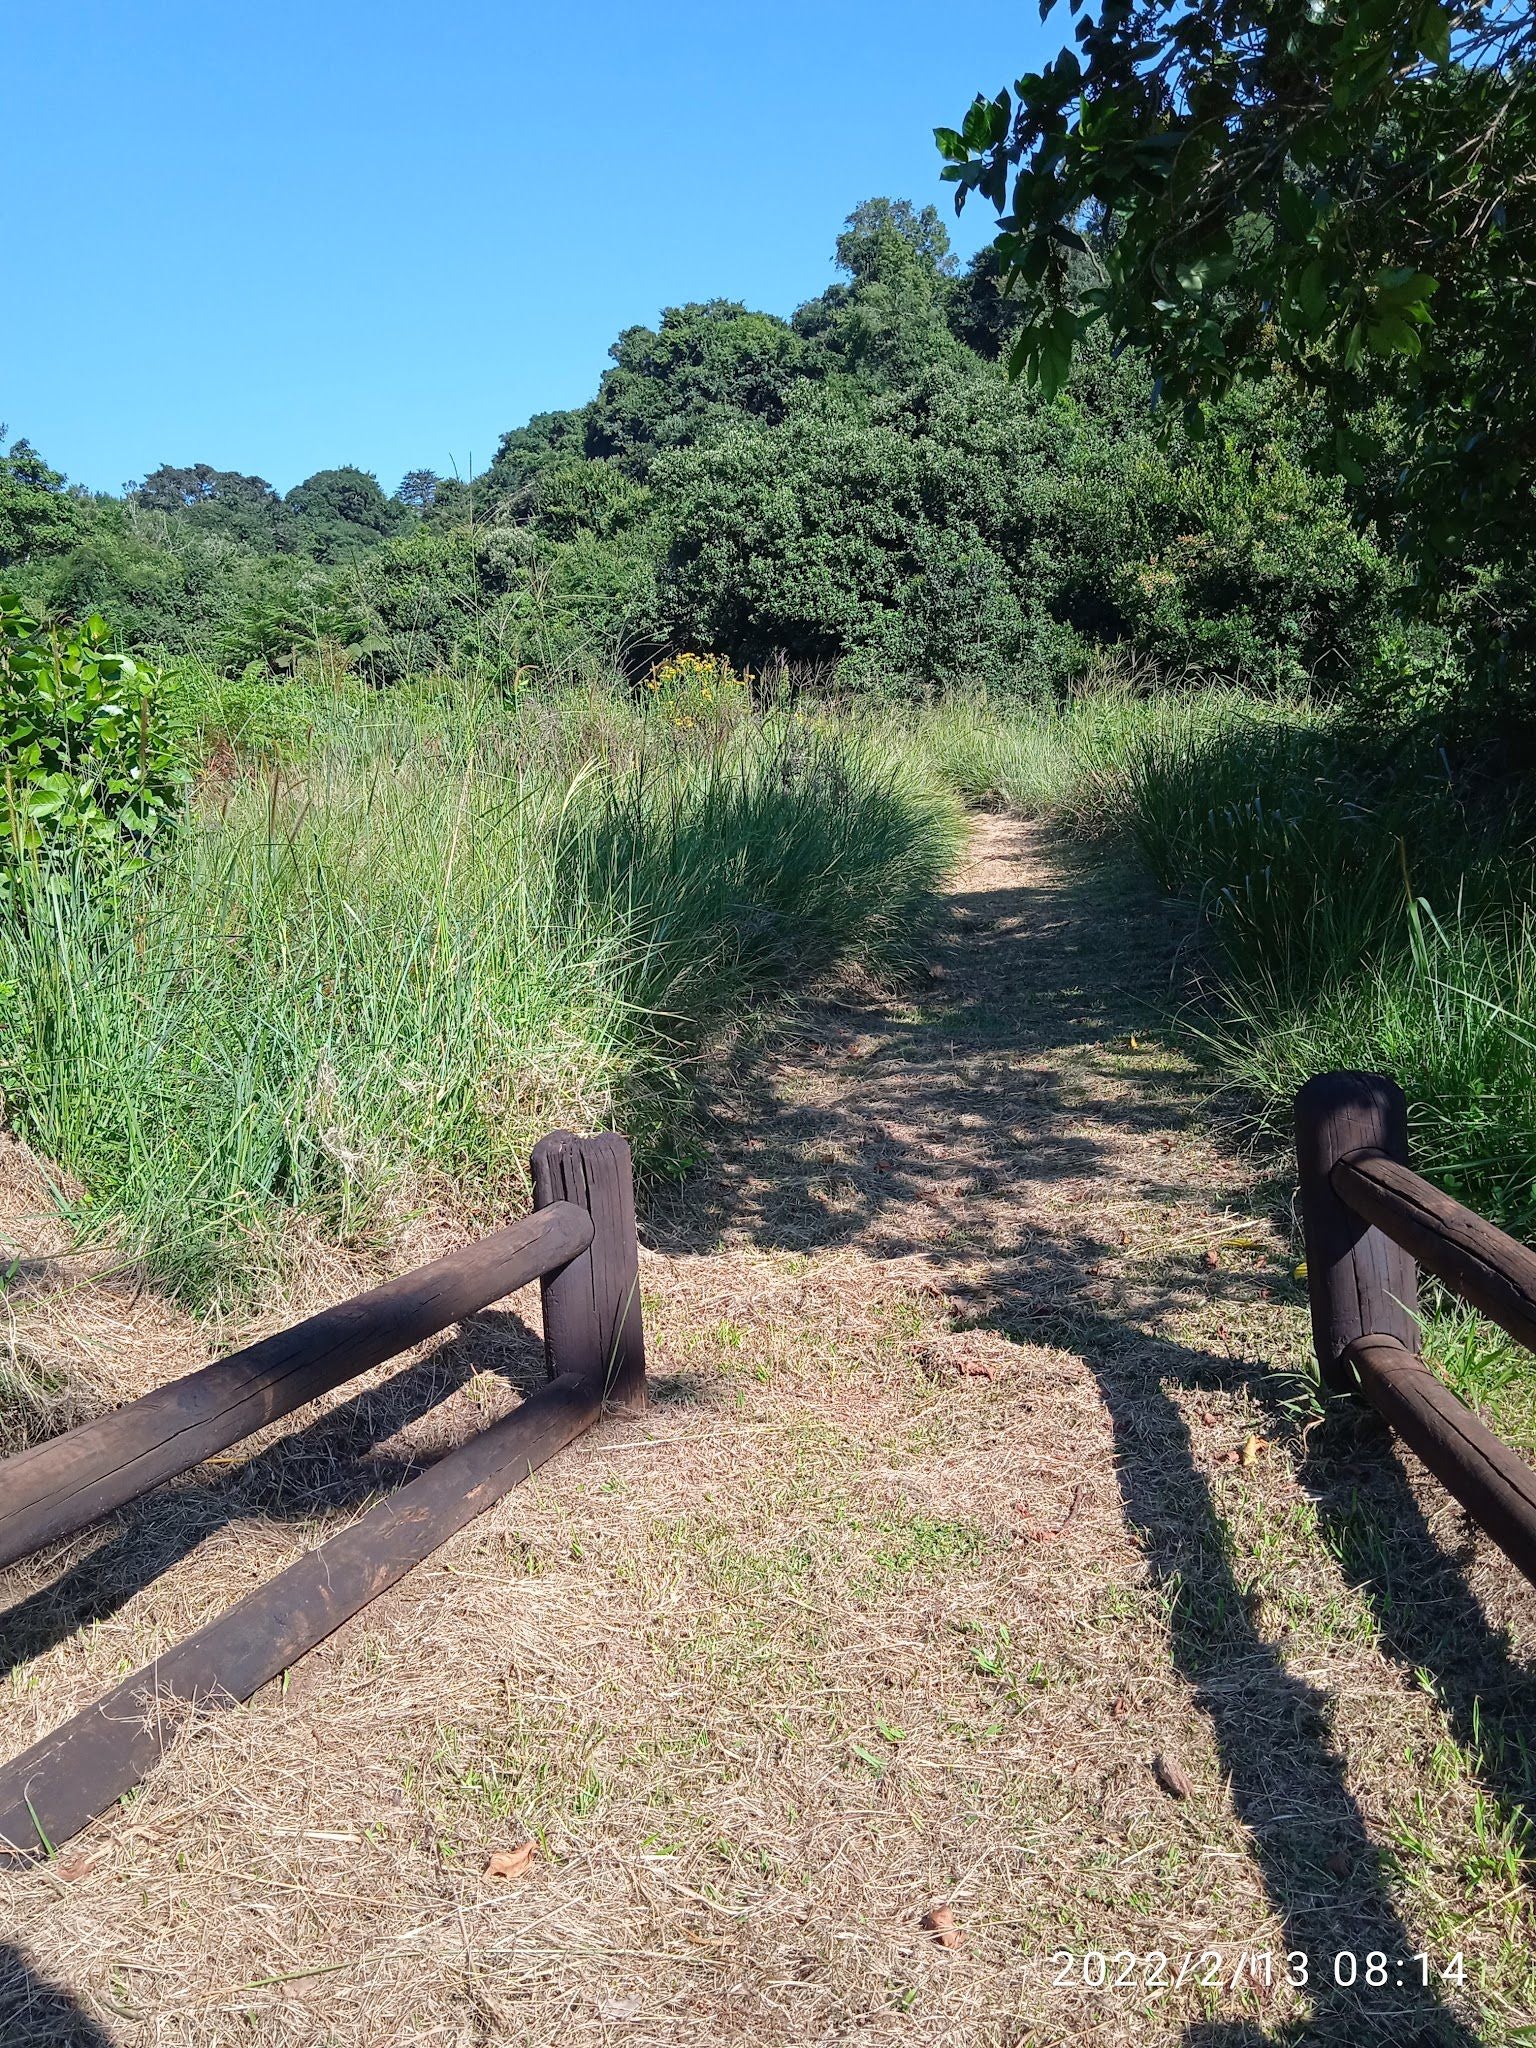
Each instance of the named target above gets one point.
<point>60,1784</point>
<point>580,1243</point>
<point>1496,1488</point>
<point>1370,1222</point>
<point>1475,1259</point>
<point>63,1485</point>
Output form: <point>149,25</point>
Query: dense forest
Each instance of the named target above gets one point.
<point>858,494</point>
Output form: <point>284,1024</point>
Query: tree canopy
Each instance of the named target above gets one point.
<point>1337,189</point>
<point>37,516</point>
<point>337,510</point>
<point>858,491</point>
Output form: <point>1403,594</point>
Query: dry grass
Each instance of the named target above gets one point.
<point>938,1532</point>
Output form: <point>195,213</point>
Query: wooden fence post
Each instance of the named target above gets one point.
<point>1359,1282</point>
<point>592,1306</point>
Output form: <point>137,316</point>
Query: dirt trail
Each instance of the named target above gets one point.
<point>967,1495</point>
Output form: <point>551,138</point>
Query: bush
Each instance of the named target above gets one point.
<point>963,534</point>
<point>89,767</point>
<point>698,692</point>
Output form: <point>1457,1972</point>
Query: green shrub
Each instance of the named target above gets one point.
<point>89,767</point>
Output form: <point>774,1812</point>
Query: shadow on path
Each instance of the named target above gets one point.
<point>37,2014</point>
<point>977,1127</point>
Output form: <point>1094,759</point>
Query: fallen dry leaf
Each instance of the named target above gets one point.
<point>1252,1446</point>
<point>940,1922</point>
<point>507,1863</point>
<point>1170,1775</point>
<point>1121,1710</point>
<point>77,1866</point>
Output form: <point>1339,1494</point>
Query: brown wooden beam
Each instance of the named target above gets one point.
<point>1359,1283</point>
<point>1473,1257</point>
<point>60,1486</point>
<point>64,1781</point>
<point>1496,1488</point>
<point>592,1306</point>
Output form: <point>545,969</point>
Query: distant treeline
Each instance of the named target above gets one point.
<point>858,493</point>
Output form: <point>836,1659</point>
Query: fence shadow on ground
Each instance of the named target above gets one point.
<point>325,1469</point>
<point>1012,988</point>
<point>37,2014</point>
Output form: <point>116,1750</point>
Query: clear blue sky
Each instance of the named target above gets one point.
<point>278,237</point>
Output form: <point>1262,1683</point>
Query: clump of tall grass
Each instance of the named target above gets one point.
<point>1365,909</point>
<point>1450,1013</point>
<point>1069,761</point>
<point>407,958</point>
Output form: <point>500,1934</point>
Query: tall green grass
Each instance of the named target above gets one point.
<point>400,961</point>
<point>1069,761</point>
<point>1366,905</point>
<point>1367,910</point>
<point>1450,1013</point>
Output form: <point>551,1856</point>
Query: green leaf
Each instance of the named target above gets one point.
<point>1204,273</point>
<point>1405,288</point>
<point>985,123</point>
<point>1312,296</point>
<point>1434,34</point>
<point>1393,335</point>
<point>1296,214</point>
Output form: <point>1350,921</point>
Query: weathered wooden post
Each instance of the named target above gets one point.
<point>592,1306</point>
<point>1359,1282</point>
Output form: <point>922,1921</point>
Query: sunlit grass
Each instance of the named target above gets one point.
<point>434,939</point>
<point>1362,907</point>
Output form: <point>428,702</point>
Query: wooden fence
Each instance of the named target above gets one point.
<point>579,1242</point>
<point>1371,1222</point>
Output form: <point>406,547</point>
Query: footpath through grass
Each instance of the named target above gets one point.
<point>1364,901</point>
<point>968,1493</point>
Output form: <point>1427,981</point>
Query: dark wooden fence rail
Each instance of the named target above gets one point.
<point>1370,1222</point>
<point>61,1486</point>
<point>580,1243</point>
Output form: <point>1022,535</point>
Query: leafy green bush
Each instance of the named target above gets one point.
<point>89,767</point>
<point>37,515</point>
<point>698,692</point>
<point>963,534</point>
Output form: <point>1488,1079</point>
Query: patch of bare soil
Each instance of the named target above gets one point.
<point>974,1643</point>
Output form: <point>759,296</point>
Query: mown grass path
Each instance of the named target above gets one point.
<point>970,1490</point>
